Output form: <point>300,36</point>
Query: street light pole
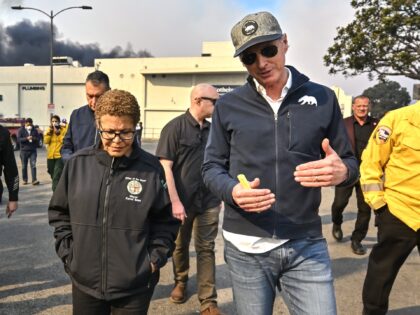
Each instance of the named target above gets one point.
<point>51,16</point>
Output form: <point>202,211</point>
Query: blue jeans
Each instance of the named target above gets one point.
<point>24,157</point>
<point>301,269</point>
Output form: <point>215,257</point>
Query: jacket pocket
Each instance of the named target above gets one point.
<point>189,143</point>
<point>412,142</point>
<point>128,263</point>
<point>305,130</point>
<point>410,148</point>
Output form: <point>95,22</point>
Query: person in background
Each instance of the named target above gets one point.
<point>359,127</point>
<point>286,134</point>
<point>390,180</point>
<point>28,138</point>
<point>112,216</point>
<point>81,132</point>
<point>9,168</point>
<point>181,150</point>
<point>53,138</point>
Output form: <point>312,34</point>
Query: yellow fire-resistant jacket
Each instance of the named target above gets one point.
<point>54,142</point>
<point>390,169</point>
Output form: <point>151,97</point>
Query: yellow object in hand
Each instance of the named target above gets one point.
<point>244,182</point>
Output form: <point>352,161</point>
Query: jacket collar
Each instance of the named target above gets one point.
<point>119,162</point>
<point>298,80</point>
<point>369,120</point>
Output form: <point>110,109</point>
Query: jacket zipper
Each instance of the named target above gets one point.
<point>276,169</point>
<point>151,275</point>
<point>290,128</point>
<point>104,228</point>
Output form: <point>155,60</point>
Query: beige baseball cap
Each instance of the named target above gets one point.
<point>253,29</point>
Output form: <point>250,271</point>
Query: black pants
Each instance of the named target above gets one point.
<point>341,199</point>
<point>395,242</point>
<point>85,304</point>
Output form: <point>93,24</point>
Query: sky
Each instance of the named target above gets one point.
<point>177,28</point>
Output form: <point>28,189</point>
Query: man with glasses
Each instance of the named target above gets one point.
<point>81,132</point>
<point>181,150</point>
<point>286,134</point>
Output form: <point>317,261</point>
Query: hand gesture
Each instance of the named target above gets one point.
<point>253,199</point>
<point>329,171</point>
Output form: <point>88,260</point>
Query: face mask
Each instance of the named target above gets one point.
<point>56,124</point>
<point>29,128</point>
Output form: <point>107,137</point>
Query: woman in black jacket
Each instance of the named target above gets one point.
<point>112,216</point>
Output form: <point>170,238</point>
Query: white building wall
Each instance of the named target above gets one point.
<point>26,91</point>
<point>9,104</point>
<point>33,100</point>
<point>67,98</point>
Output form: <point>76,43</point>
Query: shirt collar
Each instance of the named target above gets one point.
<point>286,88</point>
<point>194,122</point>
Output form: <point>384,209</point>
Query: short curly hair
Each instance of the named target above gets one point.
<point>118,103</point>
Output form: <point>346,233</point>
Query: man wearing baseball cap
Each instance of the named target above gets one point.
<point>286,135</point>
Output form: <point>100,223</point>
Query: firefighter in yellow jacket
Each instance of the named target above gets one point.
<point>390,180</point>
<point>53,138</point>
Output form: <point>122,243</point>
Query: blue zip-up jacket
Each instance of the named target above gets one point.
<point>81,132</point>
<point>247,137</point>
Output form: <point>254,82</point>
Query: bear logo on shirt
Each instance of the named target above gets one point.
<point>308,100</point>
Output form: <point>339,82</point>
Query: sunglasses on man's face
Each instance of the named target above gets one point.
<point>213,100</point>
<point>268,52</point>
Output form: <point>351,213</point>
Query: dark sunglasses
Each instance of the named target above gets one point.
<point>268,51</point>
<point>213,100</point>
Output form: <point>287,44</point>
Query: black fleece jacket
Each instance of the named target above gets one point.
<point>112,217</point>
<point>8,166</point>
<point>247,137</point>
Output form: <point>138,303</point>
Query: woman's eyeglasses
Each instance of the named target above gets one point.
<point>268,51</point>
<point>111,134</point>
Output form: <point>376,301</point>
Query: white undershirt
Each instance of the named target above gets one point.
<point>255,244</point>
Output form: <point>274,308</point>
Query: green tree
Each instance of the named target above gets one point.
<point>386,96</point>
<point>382,40</point>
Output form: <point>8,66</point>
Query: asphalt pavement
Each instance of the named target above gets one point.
<point>32,279</point>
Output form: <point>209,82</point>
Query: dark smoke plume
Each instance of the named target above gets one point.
<point>27,42</point>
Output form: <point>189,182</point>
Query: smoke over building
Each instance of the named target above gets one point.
<point>27,42</point>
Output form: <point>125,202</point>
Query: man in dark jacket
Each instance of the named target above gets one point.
<point>28,138</point>
<point>9,168</point>
<point>81,132</point>
<point>359,127</point>
<point>286,134</point>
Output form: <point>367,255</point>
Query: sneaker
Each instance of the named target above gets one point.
<point>357,248</point>
<point>179,293</point>
<point>211,310</point>
<point>337,233</point>
<point>25,182</point>
<point>35,182</point>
